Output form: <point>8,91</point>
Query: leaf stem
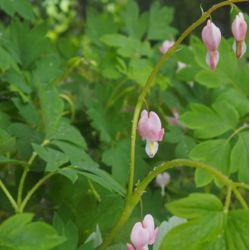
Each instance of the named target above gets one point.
<point>228,199</point>
<point>8,195</point>
<point>240,198</point>
<point>33,190</point>
<point>25,173</point>
<point>151,77</point>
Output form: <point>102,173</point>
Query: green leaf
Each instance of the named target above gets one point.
<point>188,235</point>
<point>211,122</point>
<point>18,232</point>
<point>236,230</point>
<point>68,230</point>
<point>239,157</point>
<point>138,70</point>
<point>195,205</point>
<point>213,152</point>
<point>52,157</point>
<point>6,61</point>
<point>159,22</point>
<point>211,79</point>
<point>28,111</point>
<point>24,44</point>
<point>135,24</point>
<point>117,158</point>
<point>83,164</point>
<point>22,7</point>
<point>127,46</point>
<point>236,98</point>
<point>184,147</point>
<point>67,132</point>
<point>52,109</point>
<point>165,227</point>
<point>98,25</point>
<point>7,142</point>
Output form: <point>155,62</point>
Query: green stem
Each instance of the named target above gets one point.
<point>239,198</point>
<point>228,199</point>
<point>33,190</point>
<point>25,173</point>
<point>151,77</point>
<point>8,195</point>
<point>134,198</point>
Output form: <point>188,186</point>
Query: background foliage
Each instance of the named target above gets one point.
<point>70,75</point>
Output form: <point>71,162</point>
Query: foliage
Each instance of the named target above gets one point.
<point>69,84</point>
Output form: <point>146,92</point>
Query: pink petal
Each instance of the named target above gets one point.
<point>139,236</point>
<point>148,223</point>
<point>142,124</point>
<point>154,235</point>
<point>211,36</point>
<point>130,247</point>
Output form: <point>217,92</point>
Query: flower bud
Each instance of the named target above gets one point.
<point>166,45</point>
<point>162,181</point>
<point>211,37</point>
<point>239,29</point>
<point>150,129</point>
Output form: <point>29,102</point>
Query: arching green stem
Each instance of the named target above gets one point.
<point>151,77</point>
<point>134,198</point>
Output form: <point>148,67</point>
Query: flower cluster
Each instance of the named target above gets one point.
<point>143,234</point>
<point>211,37</point>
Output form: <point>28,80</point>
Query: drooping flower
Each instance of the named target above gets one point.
<point>143,234</point>
<point>166,45</point>
<point>239,30</point>
<point>162,181</point>
<point>211,37</point>
<point>150,129</point>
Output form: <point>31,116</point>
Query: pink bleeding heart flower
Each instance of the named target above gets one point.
<point>211,37</point>
<point>143,234</point>
<point>150,129</point>
<point>166,45</point>
<point>239,30</point>
<point>162,181</point>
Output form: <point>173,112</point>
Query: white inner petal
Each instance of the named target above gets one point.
<point>151,148</point>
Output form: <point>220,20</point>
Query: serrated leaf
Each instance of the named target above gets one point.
<point>6,61</point>
<point>24,44</point>
<point>53,158</point>
<point>195,205</point>
<point>67,229</point>
<point>22,7</point>
<point>67,132</point>
<point>127,46</point>
<point>159,22</point>
<point>135,24</point>
<point>52,109</point>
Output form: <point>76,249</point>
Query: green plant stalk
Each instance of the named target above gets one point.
<point>24,175</point>
<point>134,198</point>
<point>8,195</point>
<point>240,198</point>
<point>33,190</point>
<point>151,77</point>
<point>228,199</point>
